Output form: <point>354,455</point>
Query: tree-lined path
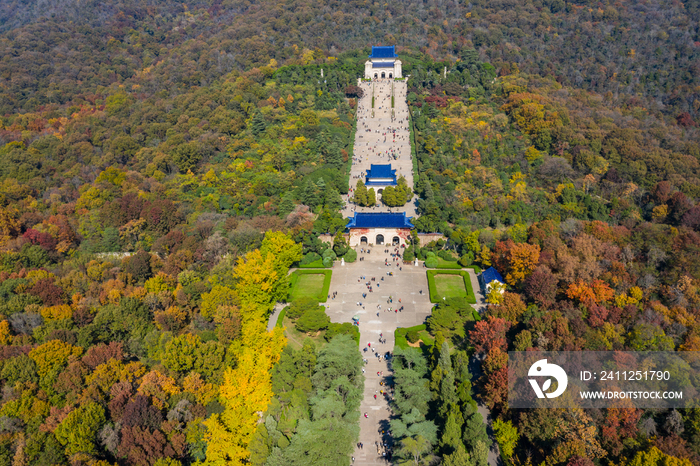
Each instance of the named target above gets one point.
<point>406,285</point>
<point>381,139</point>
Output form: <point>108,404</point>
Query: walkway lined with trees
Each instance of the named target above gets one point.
<point>382,137</point>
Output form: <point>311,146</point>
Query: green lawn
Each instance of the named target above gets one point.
<point>307,286</point>
<point>295,338</point>
<point>450,286</point>
<point>401,342</point>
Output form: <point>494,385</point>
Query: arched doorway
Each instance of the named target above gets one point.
<point>380,239</point>
<point>375,75</point>
<point>363,240</point>
<point>390,76</point>
<point>380,191</point>
<point>395,240</point>
<point>383,74</point>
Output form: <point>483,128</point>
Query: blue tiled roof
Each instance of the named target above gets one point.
<point>383,52</point>
<point>379,220</point>
<point>383,64</point>
<point>381,171</point>
<point>490,275</point>
<point>377,175</point>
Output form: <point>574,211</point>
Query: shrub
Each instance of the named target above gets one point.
<point>299,307</point>
<point>431,262</point>
<point>408,255</point>
<point>329,253</point>
<point>342,329</point>
<point>309,258</point>
<point>313,321</point>
<point>467,259</point>
<point>327,262</point>
<point>350,256</point>
<point>446,255</point>
<point>412,336</point>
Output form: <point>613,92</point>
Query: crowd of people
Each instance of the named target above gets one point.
<point>379,141</point>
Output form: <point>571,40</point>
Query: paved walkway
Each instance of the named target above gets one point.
<point>406,285</point>
<point>494,456</point>
<point>272,321</point>
<point>382,137</point>
<point>480,305</point>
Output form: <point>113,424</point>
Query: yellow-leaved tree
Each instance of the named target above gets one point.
<point>245,393</point>
<point>261,280</point>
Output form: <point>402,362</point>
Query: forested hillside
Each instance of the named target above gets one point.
<point>589,210</point>
<point>637,53</point>
<point>164,163</point>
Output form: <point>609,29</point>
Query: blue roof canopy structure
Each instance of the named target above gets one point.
<point>379,220</point>
<point>383,170</point>
<point>490,275</point>
<point>383,52</point>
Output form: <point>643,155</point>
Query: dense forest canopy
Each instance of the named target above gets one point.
<point>638,53</point>
<point>164,163</point>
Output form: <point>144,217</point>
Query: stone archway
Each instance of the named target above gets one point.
<point>380,239</point>
<point>395,241</point>
<point>380,191</point>
<point>390,76</point>
<point>383,74</point>
<point>375,75</point>
<point>363,240</point>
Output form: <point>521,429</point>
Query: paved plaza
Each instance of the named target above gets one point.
<point>405,284</point>
<point>382,137</point>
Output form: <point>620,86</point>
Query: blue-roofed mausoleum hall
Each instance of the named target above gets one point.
<point>380,175</point>
<point>383,63</point>
<point>379,228</point>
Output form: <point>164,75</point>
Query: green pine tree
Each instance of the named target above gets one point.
<point>333,157</point>
<point>389,196</point>
<point>403,191</point>
<point>331,198</point>
<point>310,196</point>
<point>287,204</point>
<point>360,196</point>
<point>258,125</point>
<point>371,197</point>
<point>460,457</point>
<point>452,435</point>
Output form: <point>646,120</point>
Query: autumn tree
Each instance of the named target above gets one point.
<point>490,333</point>
<point>78,431</point>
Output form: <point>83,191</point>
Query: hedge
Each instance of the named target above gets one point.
<point>434,298</point>
<point>443,264</point>
<point>317,264</point>
<point>323,296</point>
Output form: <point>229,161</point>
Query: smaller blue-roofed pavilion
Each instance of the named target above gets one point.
<point>381,175</point>
<point>379,228</point>
<point>488,277</point>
